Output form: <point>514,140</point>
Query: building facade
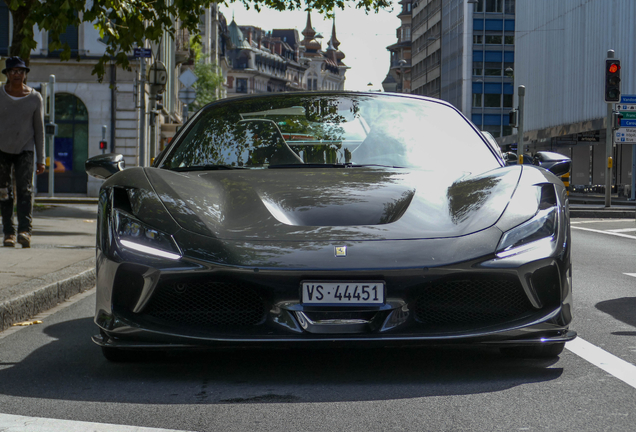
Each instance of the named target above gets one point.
<point>564,104</point>
<point>398,78</point>
<point>141,116</point>
<point>463,52</point>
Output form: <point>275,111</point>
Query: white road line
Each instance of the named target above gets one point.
<point>630,274</point>
<point>16,423</point>
<point>623,230</point>
<point>611,364</point>
<point>604,232</point>
<point>578,222</point>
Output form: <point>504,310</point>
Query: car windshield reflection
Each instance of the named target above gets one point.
<point>331,131</point>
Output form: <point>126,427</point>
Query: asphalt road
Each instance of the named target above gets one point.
<point>53,376</point>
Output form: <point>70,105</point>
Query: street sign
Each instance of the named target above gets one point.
<point>628,123</point>
<point>588,136</point>
<point>188,78</point>
<point>625,136</point>
<point>628,99</point>
<point>187,95</point>
<point>142,52</point>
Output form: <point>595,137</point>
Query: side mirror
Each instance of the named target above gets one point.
<point>556,163</point>
<point>104,165</point>
<point>510,158</point>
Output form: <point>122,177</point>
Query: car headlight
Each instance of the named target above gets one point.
<point>138,236</point>
<point>539,231</point>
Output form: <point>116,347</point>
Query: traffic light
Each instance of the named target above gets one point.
<point>612,80</point>
<point>103,145</point>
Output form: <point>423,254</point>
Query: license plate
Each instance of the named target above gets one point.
<point>342,293</point>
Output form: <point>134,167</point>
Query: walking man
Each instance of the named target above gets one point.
<point>21,141</point>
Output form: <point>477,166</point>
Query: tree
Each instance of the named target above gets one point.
<point>209,81</point>
<point>125,24</point>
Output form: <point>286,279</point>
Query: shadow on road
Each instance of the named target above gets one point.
<point>622,309</point>
<point>71,367</point>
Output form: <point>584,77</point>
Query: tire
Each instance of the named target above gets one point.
<point>534,351</point>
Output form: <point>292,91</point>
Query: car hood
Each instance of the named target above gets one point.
<point>334,203</point>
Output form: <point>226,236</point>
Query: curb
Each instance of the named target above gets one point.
<point>51,290</point>
<point>66,200</point>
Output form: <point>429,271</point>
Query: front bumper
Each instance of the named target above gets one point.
<point>138,306</point>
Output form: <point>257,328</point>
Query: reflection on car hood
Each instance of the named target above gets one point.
<point>335,203</point>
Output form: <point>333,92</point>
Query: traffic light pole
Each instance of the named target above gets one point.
<point>609,135</point>
<point>520,147</point>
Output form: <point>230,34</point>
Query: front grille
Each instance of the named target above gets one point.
<point>464,303</point>
<point>206,303</point>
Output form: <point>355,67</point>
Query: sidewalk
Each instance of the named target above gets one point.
<point>61,260</point>
<point>59,264</point>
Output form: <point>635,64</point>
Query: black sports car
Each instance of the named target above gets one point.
<point>326,218</point>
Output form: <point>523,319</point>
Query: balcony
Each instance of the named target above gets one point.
<point>182,46</point>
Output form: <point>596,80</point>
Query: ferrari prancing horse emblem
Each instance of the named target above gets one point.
<point>341,251</point>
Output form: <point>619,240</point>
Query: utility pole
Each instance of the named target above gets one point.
<point>142,119</point>
<point>522,96</point>
<point>51,135</point>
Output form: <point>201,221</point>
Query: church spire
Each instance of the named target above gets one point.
<point>334,40</point>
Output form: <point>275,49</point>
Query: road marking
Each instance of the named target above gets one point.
<point>605,232</point>
<point>16,423</point>
<point>600,358</point>
<point>630,274</point>
<point>623,230</point>
<point>577,222</point>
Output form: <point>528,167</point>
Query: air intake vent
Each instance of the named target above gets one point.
<point>206,303</point>
<point>465,303</point>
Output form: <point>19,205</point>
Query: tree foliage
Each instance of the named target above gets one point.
<point>126,24</point>
<point>210,78</point>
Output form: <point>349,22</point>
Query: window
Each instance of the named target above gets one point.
<point>407,33</point>
<point>492,69</point>
<point>478,39</point>
<point>510,7</point>
<point>477,100</point>
<point>507,101</point>
<point>494,6</point>
<point>509,40</point>
<point>241,85</point>
<point>70,37</point>
<point>478,68</point>
<point>493,40</point>
<point>492,101</point>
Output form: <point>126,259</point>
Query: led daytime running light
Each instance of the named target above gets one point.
<point>149,250</point>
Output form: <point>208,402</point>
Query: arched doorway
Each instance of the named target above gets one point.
<point>71,146</point>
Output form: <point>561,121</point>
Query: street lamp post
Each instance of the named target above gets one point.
<point>402,63</point>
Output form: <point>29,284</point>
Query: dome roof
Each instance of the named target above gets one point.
<point>236,36</point>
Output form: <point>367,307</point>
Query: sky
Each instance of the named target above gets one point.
<point>363,38</point>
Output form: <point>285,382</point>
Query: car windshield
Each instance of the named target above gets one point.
<point>335,130</point>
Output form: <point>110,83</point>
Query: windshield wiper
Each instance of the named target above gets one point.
<point>204,168</point>
<point>313,165</point>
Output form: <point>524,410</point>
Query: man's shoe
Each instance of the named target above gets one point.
<point>24,238</point>
<point>9,240</point>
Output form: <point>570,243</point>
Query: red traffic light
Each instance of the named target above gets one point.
<point>103,145</point>
<point>614,67</point>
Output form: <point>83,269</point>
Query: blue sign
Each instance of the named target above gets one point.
<point>628,99</point>
<point>628,123</point>
<point>145,53</point>
<point>64,153</point>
